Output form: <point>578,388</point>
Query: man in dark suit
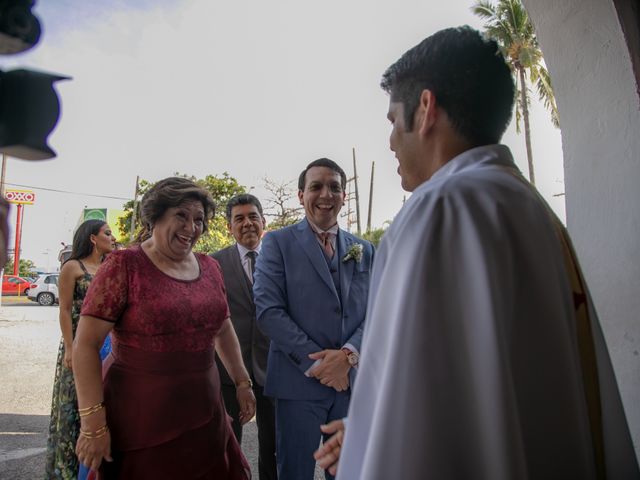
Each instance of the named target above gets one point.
<point>246,223</point>
<point>310,290</point>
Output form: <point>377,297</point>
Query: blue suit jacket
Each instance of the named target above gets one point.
<point>298,307</point>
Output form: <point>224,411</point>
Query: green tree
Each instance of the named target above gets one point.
<point>124,222</point>
<point>508,23</point>
<point>27,268</point>
<point>221,187</point>
<point>375,234</point>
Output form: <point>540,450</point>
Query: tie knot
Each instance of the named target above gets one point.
<point>327,246</point>
<point>252,255</point>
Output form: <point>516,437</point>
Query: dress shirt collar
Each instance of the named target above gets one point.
<point>333,230</point>
<point>242,250</point>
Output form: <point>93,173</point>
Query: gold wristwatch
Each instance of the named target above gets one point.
<point>352,357</point>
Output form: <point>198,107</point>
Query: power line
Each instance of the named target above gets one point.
<point>68,192</point>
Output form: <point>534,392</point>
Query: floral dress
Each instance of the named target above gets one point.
<point>64,427</point>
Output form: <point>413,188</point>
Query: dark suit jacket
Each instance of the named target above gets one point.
<point>253,343</point>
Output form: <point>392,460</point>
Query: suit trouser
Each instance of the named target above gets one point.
<point>298,432</point>
<point>265,420</point>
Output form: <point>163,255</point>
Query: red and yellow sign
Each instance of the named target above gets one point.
<point>22,197</point>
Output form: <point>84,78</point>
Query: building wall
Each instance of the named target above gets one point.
<point>597,94</point>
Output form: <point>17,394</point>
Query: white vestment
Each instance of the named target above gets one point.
<point>470,367</point>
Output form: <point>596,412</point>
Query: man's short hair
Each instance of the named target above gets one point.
<point>469,77</point>
<point>323,162</point>
<point>242,199</point>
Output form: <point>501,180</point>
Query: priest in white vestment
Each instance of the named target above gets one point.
<point>482,355</point>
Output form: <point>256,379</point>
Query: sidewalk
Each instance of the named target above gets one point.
<point>16,300</point>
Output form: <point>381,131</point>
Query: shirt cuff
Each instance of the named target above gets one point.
<point>315,364</point>
<point>348,346</point>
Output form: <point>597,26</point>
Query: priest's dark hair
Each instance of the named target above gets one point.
<point>323,162</point>
<point>242,199</point>
<point>469,77</point>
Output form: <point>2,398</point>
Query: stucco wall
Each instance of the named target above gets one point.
<point>597,97</point>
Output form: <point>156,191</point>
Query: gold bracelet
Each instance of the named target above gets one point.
<point>248,383</point>
<point>95,407</point>
<point>101,432</point>
<point>85,412</point>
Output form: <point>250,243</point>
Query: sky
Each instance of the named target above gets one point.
<point>256,89</point>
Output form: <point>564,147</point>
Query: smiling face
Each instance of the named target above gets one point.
<point>104,241</point>
<point>179,228</point>
<point>322,197</point>
<point>246,225</point>
<point>404,143</point>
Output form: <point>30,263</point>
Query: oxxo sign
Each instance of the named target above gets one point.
<point>21,197</point>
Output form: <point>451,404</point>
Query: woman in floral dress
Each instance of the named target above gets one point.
<point>91,242</point>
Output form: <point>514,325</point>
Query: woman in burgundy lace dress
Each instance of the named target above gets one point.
<point>158,414</point>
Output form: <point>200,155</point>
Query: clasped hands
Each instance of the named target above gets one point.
<point>333,370</point>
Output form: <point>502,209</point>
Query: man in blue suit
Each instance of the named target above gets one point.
<point>310,290</point>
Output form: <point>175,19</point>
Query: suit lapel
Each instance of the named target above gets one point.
<point>310,246</point>
<point>238,271</point>
<point>346,268</point>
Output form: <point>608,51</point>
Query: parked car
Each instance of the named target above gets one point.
<point>14,285</point>
<point>45,289</point>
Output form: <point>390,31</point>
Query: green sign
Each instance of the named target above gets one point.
<point>95,214</point>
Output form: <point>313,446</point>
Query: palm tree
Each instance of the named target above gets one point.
<point>508,24</point>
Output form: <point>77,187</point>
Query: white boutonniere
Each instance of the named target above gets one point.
<point>354,253</point>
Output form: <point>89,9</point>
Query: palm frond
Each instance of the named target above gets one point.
<point>496,26</point>
<point>484,10</point>
<point>508,23</point>
<point>542,81</point>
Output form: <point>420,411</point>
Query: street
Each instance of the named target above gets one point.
<point>29,338</point>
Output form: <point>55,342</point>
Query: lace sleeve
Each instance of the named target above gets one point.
<point>106,298</point>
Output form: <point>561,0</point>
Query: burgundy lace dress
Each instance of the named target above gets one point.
<point>161,386</point>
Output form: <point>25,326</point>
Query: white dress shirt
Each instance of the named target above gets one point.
<point>246,261</point>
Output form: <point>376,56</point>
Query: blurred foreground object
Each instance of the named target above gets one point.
<point>19,28</point>
<point>29,110</point>
<point>29,106</point>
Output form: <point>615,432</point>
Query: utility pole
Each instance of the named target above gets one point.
<point>349,196</point>
<point>135,210</point>
<point>373,167</point>
<point>4,171</point>
<point>355,182</point>
<point>16,252</point>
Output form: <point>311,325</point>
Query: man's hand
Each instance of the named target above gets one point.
<point>333,370</point>
<point>328,455</point>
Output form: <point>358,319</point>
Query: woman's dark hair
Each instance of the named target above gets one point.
<point>82,246</point>
<point>170,193</point>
